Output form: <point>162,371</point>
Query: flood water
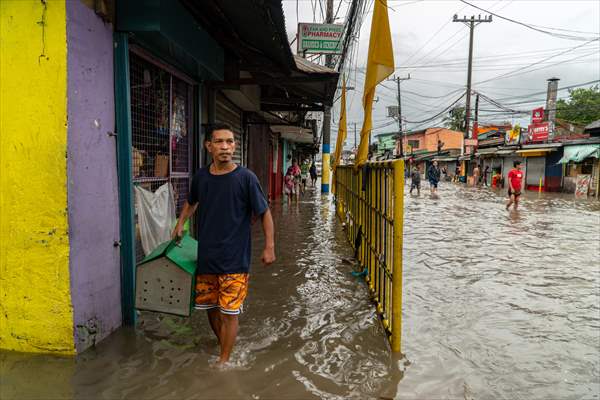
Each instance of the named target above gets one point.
<point>497,305</point>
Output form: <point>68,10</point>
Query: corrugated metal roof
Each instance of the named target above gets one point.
<point>593,125</point>
<point>311,68</point>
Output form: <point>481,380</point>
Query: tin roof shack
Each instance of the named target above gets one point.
<point>165,278</point>
<point>581,157</point>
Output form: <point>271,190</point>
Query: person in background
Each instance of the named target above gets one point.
<point>297,175</point>
<point>486,171</point>
<point>313,174</point>
<point>433,176</point>
<point>456,174</point>
<point>304,170</point>
<point>415,180</point>
<point>497,179</point>
<point>515,185</point>
<point>288,186</point>
<point>476,175</point>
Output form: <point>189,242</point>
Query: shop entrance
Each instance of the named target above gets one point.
<point>162,132</point>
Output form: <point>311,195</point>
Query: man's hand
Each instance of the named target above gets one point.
<point>268,256</point>
<point>177,233</point>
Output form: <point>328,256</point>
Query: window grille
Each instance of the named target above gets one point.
<point>161,132</point>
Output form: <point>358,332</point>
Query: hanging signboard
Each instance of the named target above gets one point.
<point>538,132</point>
<point>320,38</point>
<point>471,142</point>
<point>537,115</point>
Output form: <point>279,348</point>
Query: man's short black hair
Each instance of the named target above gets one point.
<point>217,126</point>
<point>516,163</point>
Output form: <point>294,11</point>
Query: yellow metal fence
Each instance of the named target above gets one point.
<point>370,202</point>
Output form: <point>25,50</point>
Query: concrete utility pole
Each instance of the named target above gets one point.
<point>327,115</point>
<point>400,133</point>
<point>551,104</point>
<point>471,23</point>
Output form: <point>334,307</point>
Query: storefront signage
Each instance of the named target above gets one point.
<point>538,132</point>
<point>537,115</point>
<point>320,38</point>
<point>513,135</point>
<point>470,142</point>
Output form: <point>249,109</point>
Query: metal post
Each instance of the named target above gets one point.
<point>471,24</point>
<point>397,267</point>
<point>125,176</point>
<point>327,117</point>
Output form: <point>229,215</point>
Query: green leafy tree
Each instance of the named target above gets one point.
<point>582,106</point>
<point>455,119</point>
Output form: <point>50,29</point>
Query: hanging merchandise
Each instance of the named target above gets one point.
<point>156,215</point>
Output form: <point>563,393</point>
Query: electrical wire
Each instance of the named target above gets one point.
<point>529,26</point>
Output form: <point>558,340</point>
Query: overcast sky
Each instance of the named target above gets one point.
<point>434,50</point>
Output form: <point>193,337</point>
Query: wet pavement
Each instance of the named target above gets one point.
<point>497,305</point>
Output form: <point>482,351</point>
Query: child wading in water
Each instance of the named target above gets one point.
<point>289,187</point>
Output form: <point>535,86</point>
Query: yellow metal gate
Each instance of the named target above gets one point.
<point>370,202</point>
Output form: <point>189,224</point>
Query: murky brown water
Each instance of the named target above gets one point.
<point>496,305</point>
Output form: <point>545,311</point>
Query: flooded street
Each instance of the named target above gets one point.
<point>497,305</point>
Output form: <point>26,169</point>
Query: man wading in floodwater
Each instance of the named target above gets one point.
<point>515,185</point>
<point>227,196</point>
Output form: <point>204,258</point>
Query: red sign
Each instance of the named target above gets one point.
<point>537,115</point>
<point>538,132</point>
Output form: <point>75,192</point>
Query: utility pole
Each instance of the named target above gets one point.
<point>327,115</point>
<point>471,23</point>
<point>400,133</point>
<point>551,104</point>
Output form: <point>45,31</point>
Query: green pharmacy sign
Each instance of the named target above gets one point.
<point>320,38</point>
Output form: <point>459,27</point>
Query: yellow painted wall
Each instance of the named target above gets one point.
<point>35,302</point>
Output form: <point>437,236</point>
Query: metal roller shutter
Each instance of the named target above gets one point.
<point>230,114</point>
<point>535,170</point>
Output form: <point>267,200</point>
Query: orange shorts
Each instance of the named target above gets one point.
<point>224,291</point>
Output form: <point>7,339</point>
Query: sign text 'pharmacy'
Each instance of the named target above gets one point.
<point>320,38</point>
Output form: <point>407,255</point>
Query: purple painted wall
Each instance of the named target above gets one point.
<point>92,173</point>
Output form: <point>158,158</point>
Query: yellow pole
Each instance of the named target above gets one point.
<point>540,188</point>
<point>397,271</point>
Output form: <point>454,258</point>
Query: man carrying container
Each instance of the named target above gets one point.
<point>227,197</point>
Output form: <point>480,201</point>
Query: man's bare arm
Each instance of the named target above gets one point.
<point>187,212</point>
<point>268,255</point>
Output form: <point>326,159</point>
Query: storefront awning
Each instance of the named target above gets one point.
<point>578,153</point>
<point>505,152</point>
<point>464,158</point>
<point>293,133</point>
<point>486,151</point>
<point>535,152</point>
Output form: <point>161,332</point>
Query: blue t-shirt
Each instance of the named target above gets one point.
<point>226,204</point>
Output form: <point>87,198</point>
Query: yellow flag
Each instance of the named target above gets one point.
<point>380,65</point>
<point>342,132</point>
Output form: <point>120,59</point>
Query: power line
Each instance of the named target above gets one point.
<point>529,26</point>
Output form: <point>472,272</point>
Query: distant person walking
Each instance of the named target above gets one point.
<point>433,176</point>
<point>313,174</point>
<point>227,197</point>
<point>456,176</point>
<point>415,180</point>
<point>476,175</point>
<point>486,171</point>
<point>297,175</point>
<point>515,185</point>
<point>304,169</point>
<point>289,189</point>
